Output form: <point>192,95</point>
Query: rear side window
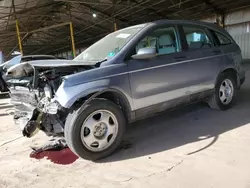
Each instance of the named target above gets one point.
<point>196,38</point>
<point>223,40</point>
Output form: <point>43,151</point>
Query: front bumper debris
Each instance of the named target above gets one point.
<point>56,143</point>
<point>32,115</point>
<point>28,122</point>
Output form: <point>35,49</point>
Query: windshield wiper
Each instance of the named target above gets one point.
<point>100,62</point>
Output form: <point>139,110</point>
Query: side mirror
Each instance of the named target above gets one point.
<point>145,53</point>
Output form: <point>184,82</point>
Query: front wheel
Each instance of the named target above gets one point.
<point>95,130</point>
<point>225,92</point>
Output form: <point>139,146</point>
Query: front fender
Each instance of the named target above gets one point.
<point>67,96</point>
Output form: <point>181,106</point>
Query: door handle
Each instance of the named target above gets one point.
<point>180,58</point>
<point>216,52</point>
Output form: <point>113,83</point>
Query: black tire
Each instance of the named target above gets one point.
<point>74,123</point>
<point>215,102</point>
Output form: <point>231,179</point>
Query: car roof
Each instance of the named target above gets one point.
<point>182,22</point>
<point>193,22</point>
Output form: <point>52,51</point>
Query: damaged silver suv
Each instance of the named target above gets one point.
<point>126,76</point>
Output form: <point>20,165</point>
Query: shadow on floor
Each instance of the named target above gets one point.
<point>179,127</point>
<point>6,106</point>
<point>3,114</point>
<point>4,95</point>
<point>3,103</point>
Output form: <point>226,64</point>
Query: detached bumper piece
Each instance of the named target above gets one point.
<point>29,126</point>
<point>57,143</point>
<point>32,116</point>
<point>26,116</point>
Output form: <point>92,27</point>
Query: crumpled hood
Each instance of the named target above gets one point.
<point>58,63</point>
<point>19,69</point>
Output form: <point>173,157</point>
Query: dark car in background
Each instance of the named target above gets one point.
<point>128,75</point>
<point>17,60</point>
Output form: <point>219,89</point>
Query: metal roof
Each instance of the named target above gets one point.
<point>36,14</point>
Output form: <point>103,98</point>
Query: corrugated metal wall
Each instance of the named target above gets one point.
<point>238,25</point>
<point>243,40</point>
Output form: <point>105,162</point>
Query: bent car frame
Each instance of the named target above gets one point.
<point>128,75</point>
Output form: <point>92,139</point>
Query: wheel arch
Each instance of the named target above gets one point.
<point>234,72</point>
<point>111,94</point>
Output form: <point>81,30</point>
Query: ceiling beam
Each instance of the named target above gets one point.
<point>30,9</point>
<point>100,12</point>
<point>120,4</point>
<point>229,6</point>
<point>216,9</point>
<point>172,13</point>
<point>238,8</point>
<point>6,7</point>
<point>79,42</point>
<point>7,24</point>
<point>49,27</point>
<point>159,2</point>
<point>151,9</point>
<point>133,5</point>
<point>81,21</point>
<point>203,14</point>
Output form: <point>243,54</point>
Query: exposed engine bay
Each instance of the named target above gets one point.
<point>32,89</point>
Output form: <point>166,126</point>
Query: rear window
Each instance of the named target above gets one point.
<point>221,39</point>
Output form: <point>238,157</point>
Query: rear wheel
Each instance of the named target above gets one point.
<point>94,131</point>
<point>225,92</point>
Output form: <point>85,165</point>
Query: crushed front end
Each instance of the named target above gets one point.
<point>35,111</point>
<point>33,114</point>
<point>32,89</point>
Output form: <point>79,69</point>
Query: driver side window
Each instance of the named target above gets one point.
<point>164,40</point>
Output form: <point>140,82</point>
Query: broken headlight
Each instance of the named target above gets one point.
<point>49,106</point>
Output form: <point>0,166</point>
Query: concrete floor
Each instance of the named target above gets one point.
<point>190,147</point>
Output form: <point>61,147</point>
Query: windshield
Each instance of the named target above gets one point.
<point>108,46</point>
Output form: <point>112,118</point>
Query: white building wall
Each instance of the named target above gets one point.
<point>243,40</point>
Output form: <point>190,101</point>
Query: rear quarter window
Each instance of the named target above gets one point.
<point>221,39</point>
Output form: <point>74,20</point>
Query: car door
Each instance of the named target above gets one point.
<point>204,58</point>
<point>230,49</point>
<point>158,79</point>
